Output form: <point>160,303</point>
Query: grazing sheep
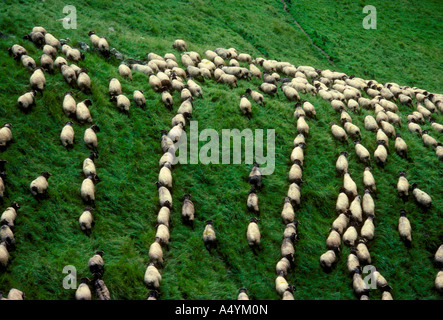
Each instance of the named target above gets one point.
<point>352,262</point>
<point>103,46</point>
<point>363,253</point>
<point>413,127</point>
<point>38,80</point>
<point>296,172</point>
<point>188,210</point>
<point>229,79</point>
<point>51,40</point>
<point>381,136</point>
<point>256,96</point>
<point>83,292</point>
<point>5,135</point>
<point>439,151</point>
<point>125,71</point>
<point>102,290</point>
<point>421,197</point>
<point>302,126</point>
<point>438,257</point>
<point>309,109</point>
<point>368,205</point>
<point>84,81</point>
<point>368,180</point>
<point>28,62</point>
<point>400,146</point>
<point>86,220</point>
<point>253,233</point>
<point>94,39</point>
<point>269,88</point>
<point>298,153</point>
<point>139,98</point>
<point>176,133</point>
<point>284,265</point>
<point>356,210</point>
<point>163,234</point>
<point>165,198</point>
<point>82,112</point>
<point>288,214</point>
<point>7,236</point>
<point>59,62</point>
<point>163,216</point>
<point>358,284</point>
<point>287,246</point>
<point>165,176</point>
<point>166,142</point>
<point>352,129</point>
<point>341,222</point>
<point>67,135</point>
<point>328,259</point>
<point>300,138</point>
<point>68,73</point>
<point>209,237</point>
<point>15,294</point>
<point>404,228</point>
<point>244,57</point>
<point>428,140</point>
<point>288,294</point>
<point>4,255</point>
<point>245,106</point>
<point>17,51</point>
<point>69,104</point>
<point>87,189</point>
<point>368,229</point>
<point>362,152</point>
<point>74,55</point>
<point>27,100</point>
<point>339,133</point>
<point>167,99</point>
<point>39,186</point>
<point>333,242</point>
<point>180,45</point>
<point>255,176</point>
<point>281,285</point>
<point>252,202</point>
<point>96,265</point>
<point>436,126</point>
<point>388,128</point>
<point>123,103</point>
<point>381,153</point>
<point>371,123</point>
<point>349,186</point>
<point>89,165</point>
<point>46,63</point>
<point>37,37</point>
<point>242,294</point>
<point>350,235</point>
<point>342,203</point>
<point>152,277</point>
<point>9,215</point>
<point>90,137</point>
<point>290,93</point>
<point>156,253</point>
<point>403,186</point>
<point>294,194</point>
<point>115,88</point>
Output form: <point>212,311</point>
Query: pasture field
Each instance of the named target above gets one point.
<point>406,48</point>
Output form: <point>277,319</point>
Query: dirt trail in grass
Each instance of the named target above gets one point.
<point>307,35</point>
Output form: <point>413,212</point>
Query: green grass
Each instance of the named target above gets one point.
<point>405,48</point>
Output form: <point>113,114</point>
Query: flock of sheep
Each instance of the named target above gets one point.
<point>354,225</point>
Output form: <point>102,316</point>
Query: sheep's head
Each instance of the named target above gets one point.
<point>46,174</point>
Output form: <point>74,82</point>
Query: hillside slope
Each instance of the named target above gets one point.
<point>47,233</point>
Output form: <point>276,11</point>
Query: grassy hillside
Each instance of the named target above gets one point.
<point>47,233</point>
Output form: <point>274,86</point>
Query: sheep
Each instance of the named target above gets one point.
<point>339,133</point>
<point>123,103</point>
<point>101,290</point>
<point>394,118</point>
<point>88,164</point>
<point>94,39</point>
<point>296,172</point>
<point>9,215</point>
<point>349,186</point>
<point>253,233</point>
<point>167,99</point>
<point>363,253</point>
<point>438,257</point>
<point>287,214</point>
<point>17,51</point>
<point>352,262</point>
<point>290,93</point>
<point>381,154</point>
<point>152,278</point>
<point>428,140</point>
<point>422,198</point>
<point>388,128</point>
<point>87,189</point>
<point>164,216</point>
<point>368,229</point>
<point>229,79</point>
<point>436,126</point>
<point>37,37</point>
<point>166,142</point>
<point>300,138</point>
<point>28,62</point>
<point>294,194</point>
<point>83,292</point>
<point>288,294</point>
<point>352,129</point>
<point>439,151</point>
<point>74,55</point>
<point>179,119</point>
<point>252,202</point>
<point>429,105</point>
<point>362,152</point>
<point>103,46</point>
<point>209,236</point>
<point>350,235</point>
<point>284,265</point>
<point>281,285</point>
<point>368,180</point>
<point>176,133</point>
<point>165,176</point>
<point>84,81</point>
<point>342,203</point>
<point>353,105</point>
<point>51,40</point>
<point>90,137</point>
<point>380,281</point>
<point>82,112</point>
<point>371,124</point>
<point>27,100</point>
<point>178,85</point>
<point>195,89</point>
<point>358,284</point>
<point>403,186</point>
<point>337,105</point>
<point>86,220</point>
<point>439,281</point>
<point>381,136</point>
<point>298,153</point>
<point>170,56</point>
<point>115,88</point>
<point>125,71</point>
<point>5,135</point>
<point>400,146</point>
<point>341,222</point>
<point>368,205</point>
<point>242,294</point>
<point>404,228</point>
<point>163,234</point>
<point>67,135</point>
<point>328,259</point>
<point>38,80</point>
<point>39,186</point>
<point>302,126</point>
<point>255,176</point>
<point>139,98</point>
<point>356,209</point>
<point>244,57</point>
<point>59,62</point>
<point>345,117</point>
<point>180,45</point>
<point>270,89</point>
<point>7,236</point>
<point>425,112</point>
<point>413,127</point>
<point>46,63</point>
<point>156,253</point>
<point>245,106</point>
<point>4,255</point>
<point>68,74</point>
<point>96,265</point>
<point>309,109</point>
<point>69,104</point>
<point>2,184</point>
<point>165,198</point>
<point>333,242</point>
<point>188,209</point>
<point>256,96</point>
